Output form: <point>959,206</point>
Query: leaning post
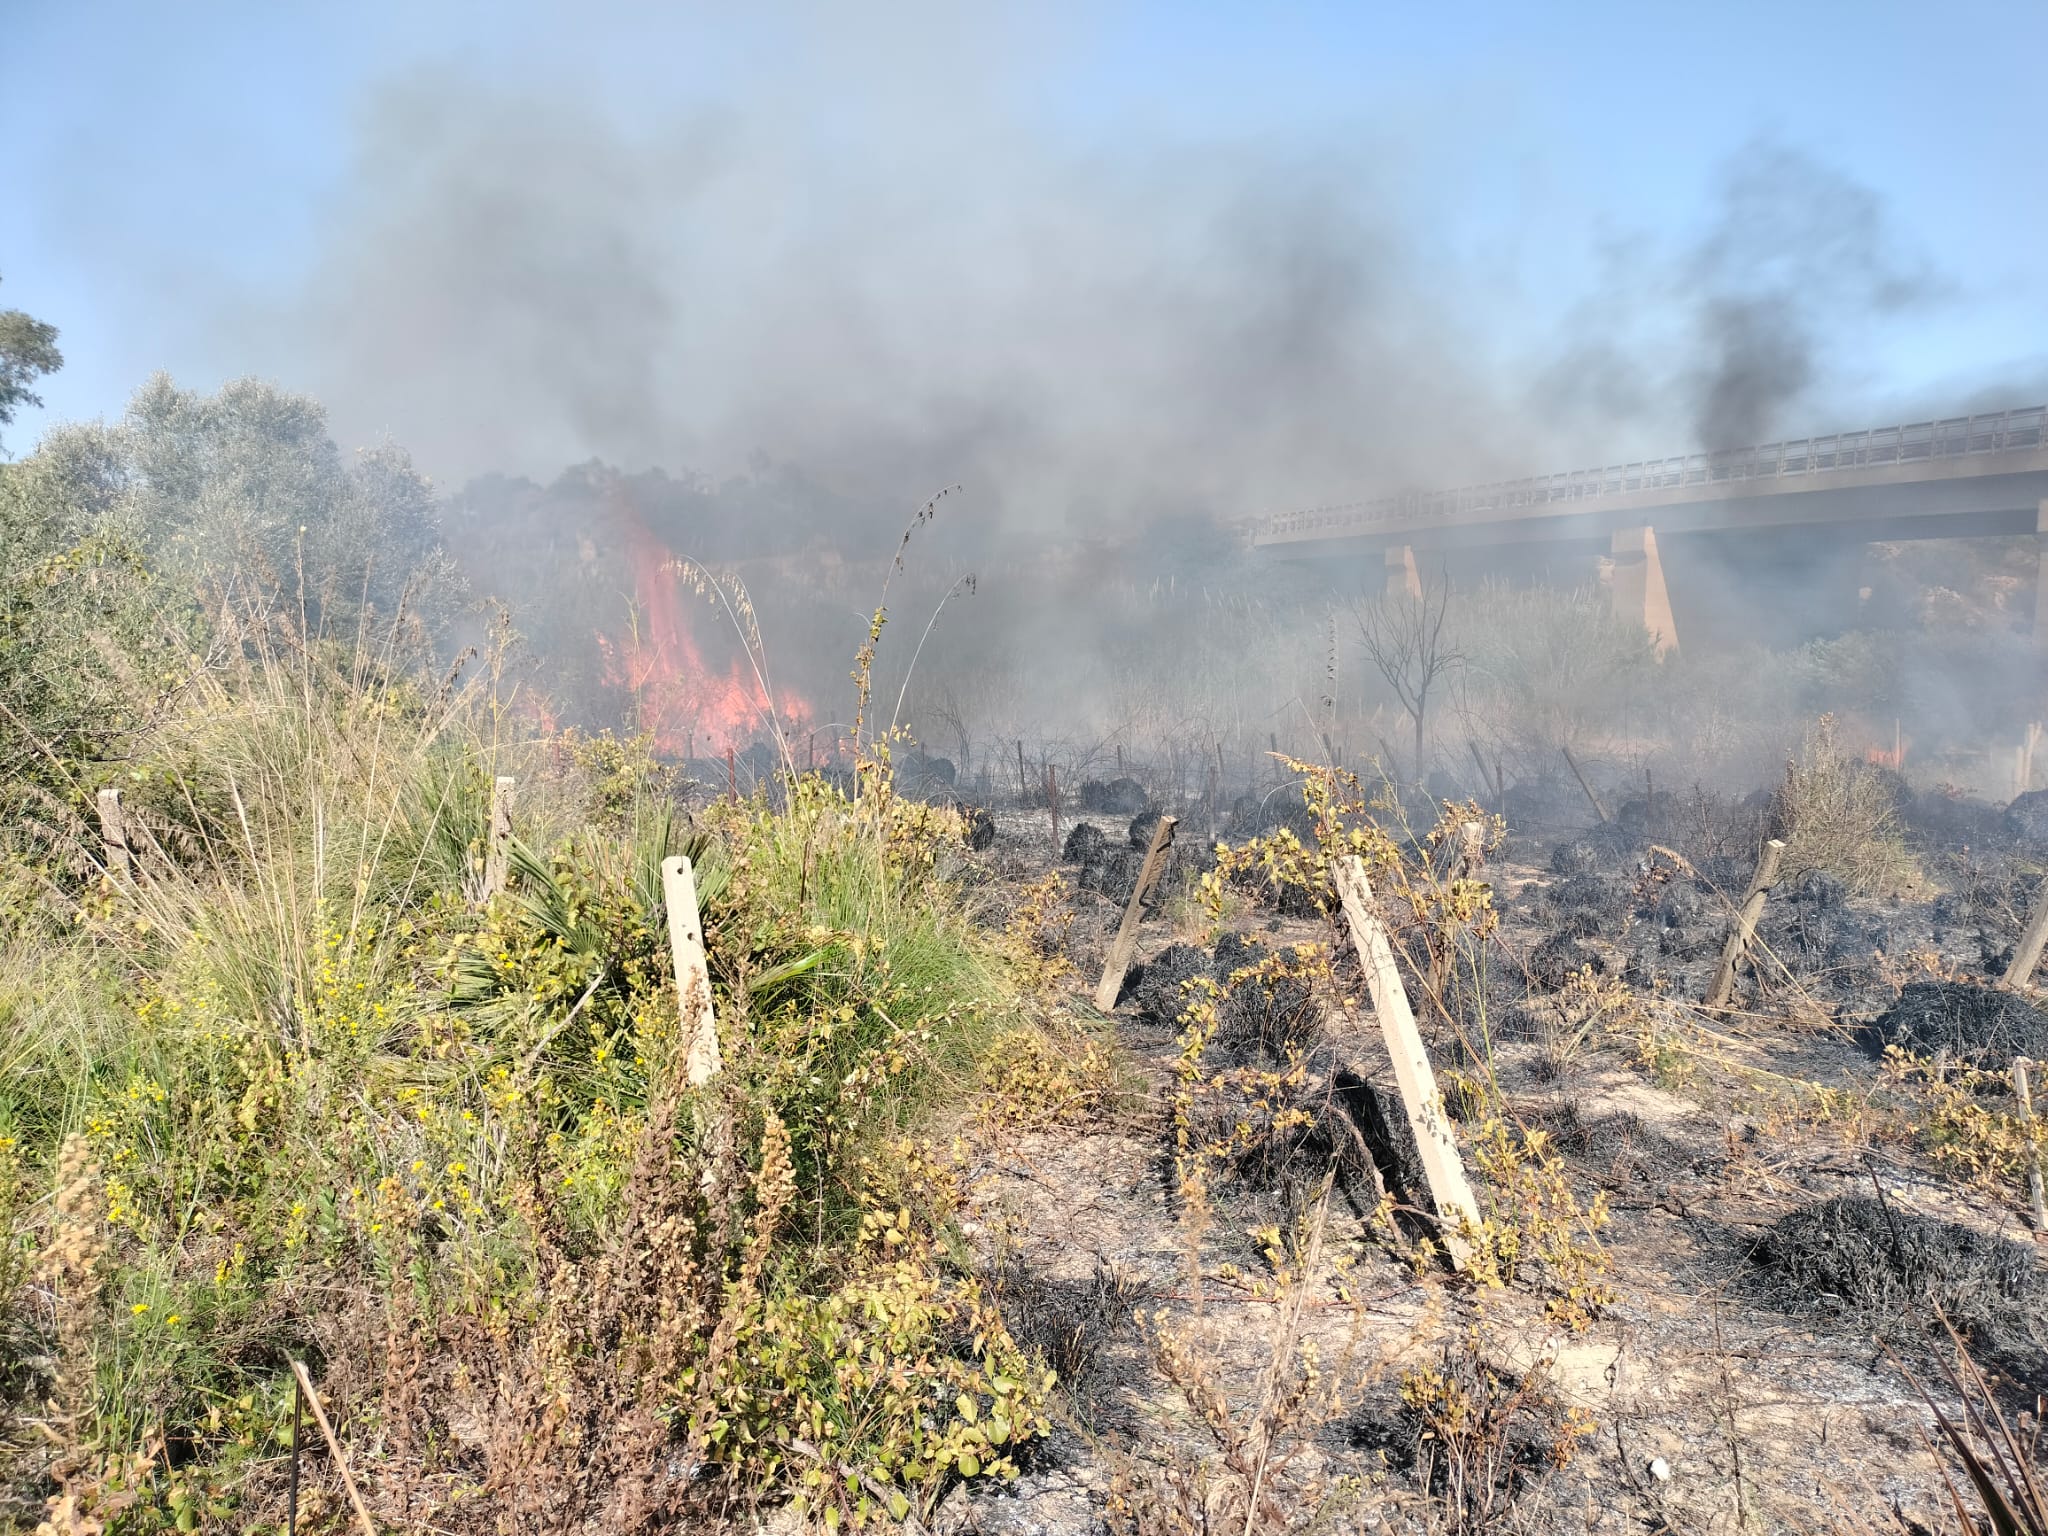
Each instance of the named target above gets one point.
<point>1127,931</point>
<point>1732,952</point>
<point>2028,954</point>
<point>1442,1167</point>
<point>1573,763</point>
<point>1485,779</point>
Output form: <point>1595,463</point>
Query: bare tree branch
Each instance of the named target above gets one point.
<point>1404,637</point>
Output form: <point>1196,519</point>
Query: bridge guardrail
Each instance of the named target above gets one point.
<point>1955,436</point>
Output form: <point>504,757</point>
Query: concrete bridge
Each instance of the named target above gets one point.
<point>1780,516</point>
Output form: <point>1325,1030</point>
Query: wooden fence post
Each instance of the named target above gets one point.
<point>312,1401</point>
<point>114,834</point>
<point>2028,954</point>
<point>1485,778</point>
<point>501,834</point>
<point>1127,931</point>
<point>1471,848</point>
<point>1052,803</point>
<point>1573,763</point>
<point>1441,1165</point>
<point>693,975</point>
<point>2035,1199</point>
<point>1732,952</point>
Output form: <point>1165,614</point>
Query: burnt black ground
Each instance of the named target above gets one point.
<point>1728,1338</point>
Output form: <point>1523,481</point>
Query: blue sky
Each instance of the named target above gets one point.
<point>172,179</point>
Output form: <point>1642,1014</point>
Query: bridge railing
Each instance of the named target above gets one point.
<point>1992,432</point>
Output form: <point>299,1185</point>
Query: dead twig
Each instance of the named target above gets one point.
<point>312,1400</point>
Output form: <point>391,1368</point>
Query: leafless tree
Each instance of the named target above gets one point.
<point>1403,635</point>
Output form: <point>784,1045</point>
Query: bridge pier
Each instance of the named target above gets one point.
<point>1402,579</point>
<point>1637,590</point>
<point>2041,577</point>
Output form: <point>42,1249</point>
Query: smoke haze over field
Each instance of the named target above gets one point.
<point>908,279</point>
<point>511,283</point>
<point>634,284</point>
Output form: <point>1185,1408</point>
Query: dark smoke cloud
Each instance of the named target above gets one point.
<point>1799,257</point>
<point>1749,331</point>
<point>1760,360</point>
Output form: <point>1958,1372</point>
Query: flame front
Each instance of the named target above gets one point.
<point>686,707</point>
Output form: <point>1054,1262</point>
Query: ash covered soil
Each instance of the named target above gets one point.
<point>1779,1218</point>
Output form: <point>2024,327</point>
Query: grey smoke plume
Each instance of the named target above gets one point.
<point>889,272</point>
<point>511,282</point>
<point>1759,361</point>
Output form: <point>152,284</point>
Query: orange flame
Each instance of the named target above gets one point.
<point>1893,756</point>
<point>679,701</point>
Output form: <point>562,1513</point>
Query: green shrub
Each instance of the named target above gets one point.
<point>325,1105</point>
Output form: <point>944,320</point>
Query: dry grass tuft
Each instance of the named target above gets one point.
<point>1839,818</point>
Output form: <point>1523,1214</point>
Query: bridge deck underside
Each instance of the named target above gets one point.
<point>1966,500</point>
